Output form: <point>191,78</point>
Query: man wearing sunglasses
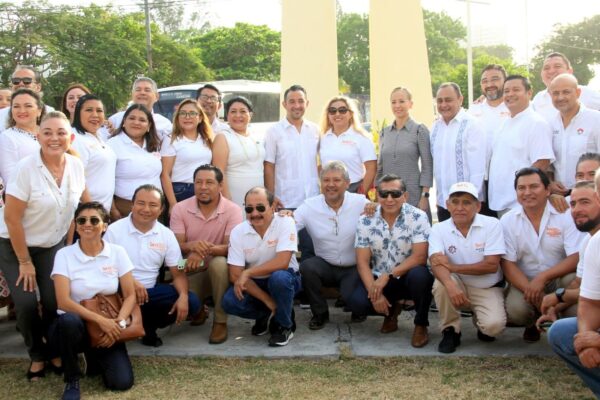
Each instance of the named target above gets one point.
<point>24,76</point>
<point>465,252</point>
<point>263,269</point>
<point>391,253</point>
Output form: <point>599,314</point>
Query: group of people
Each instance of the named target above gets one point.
<point>171,214</point>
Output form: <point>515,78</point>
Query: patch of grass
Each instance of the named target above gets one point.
<point>346,378</point>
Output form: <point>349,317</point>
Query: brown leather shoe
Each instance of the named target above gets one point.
<point>420,336</point>
<point>200,318</point>
<point>531,334</point>
<point>218,334</point>
<point>390,323</point>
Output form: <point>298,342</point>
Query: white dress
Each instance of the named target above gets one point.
<point>244,165</point>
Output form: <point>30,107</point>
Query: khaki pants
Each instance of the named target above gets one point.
<point>523,313</point>
<point>214,281</point>
<point>487,306</point>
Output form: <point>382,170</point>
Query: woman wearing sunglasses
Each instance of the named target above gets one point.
<point>41,197</point>
<point>98,158</point>
<point>404,150</point>
<point>81,271</point>
<point>184,150</point>
<point>343,139</point>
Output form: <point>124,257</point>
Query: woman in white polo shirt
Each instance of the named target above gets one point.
<point>41,198</point>
<point>137,147</point>
<point>184,150</point>
<point>80,272</point>
<point>343,139</point>
<point>98,158</point>
<point>19,140</point>
<point>239,153</point>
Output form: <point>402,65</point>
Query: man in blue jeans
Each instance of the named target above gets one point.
<point>149,245</point>
<point>263,269</point>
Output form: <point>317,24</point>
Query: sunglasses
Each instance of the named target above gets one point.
<point>341,110</point>
<point>82,220</point>
<point>394,193</point>
<point>191,114</point>
<point>26,81</point>
<point>260,208</point>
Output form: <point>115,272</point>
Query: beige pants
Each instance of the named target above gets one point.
<point>523,313</point>
<point>214,281</point>
<point>487,306</point>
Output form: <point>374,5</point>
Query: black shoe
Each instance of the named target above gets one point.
<point>281,337</point>
<point>152,341</point>
<point>339,303</point>
<point>318,321</point>
<point>261,326</point>
<point>71,391</point>
<point>483,337</point>
<point>357,318</point>
<point>450,340</point>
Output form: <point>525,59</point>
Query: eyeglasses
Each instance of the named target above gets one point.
<point>341,110</point>
<point>190,114</point>
<point>26,81</point>
<point>205,97</point>
<point>394,193</point>
<point>82,220</point>
<point>260,208</point>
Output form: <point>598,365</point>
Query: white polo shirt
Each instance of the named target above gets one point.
<point>91,275</point>
<point>294,155</point>
<point>218,126</point>
<point>164,127</point>
<point>351,148</point>
<point>100,163</point>
<point>50,208</point>
<point>488,116</point>
<point>521,141</point>
<point>542,102</point>
<point>332,232</point>
<point>590,282</point>
<point>535,253</point>
<point>15,145</point>
<point>189,155</point>
<point>247,249</point>
<point>485,238</point>
<point>135,166</point>
<point>147,251</point>
<point>458,150</point>
<point>582,248</point>
<point>581,136</point>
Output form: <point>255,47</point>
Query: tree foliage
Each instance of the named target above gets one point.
<point>580,42</point>
<point>243,52</point>
<point>353,51</point>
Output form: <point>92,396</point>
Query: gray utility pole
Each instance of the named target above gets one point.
<point>148,38</point>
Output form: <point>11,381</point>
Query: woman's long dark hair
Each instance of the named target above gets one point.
<point>152,140</point>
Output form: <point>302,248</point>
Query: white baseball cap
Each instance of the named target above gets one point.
<point>463,187</point>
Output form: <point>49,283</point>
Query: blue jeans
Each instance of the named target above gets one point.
<point>560,338</point>
<point>183,190</point>
<point>155,313</point>
<point>282,286</point>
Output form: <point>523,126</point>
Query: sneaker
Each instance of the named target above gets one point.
<point>281,337</point>
<point>483,337</point>
<point>318,321</point>
<point>450,340</point>
<point>261,325</point>
<point>71,391</point>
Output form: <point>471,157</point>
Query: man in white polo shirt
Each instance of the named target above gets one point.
<point>577,340</point>
<point>263,269</point>
<point>457,146</point>
<point>330,218</point>
<point>210,99</point>
<point>541,250</point>
<point>575,130</point>
<point>464,253</point>
<point>144,92</point>
<point>523,140</point>
<point>149,245</point>
<point>554,65</point>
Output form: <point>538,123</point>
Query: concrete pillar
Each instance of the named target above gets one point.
<point>398,57</point>
<point>309,51</point>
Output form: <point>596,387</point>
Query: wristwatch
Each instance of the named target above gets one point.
<point>560,292</point>
<point>123,324</point>
<point>425,194</point>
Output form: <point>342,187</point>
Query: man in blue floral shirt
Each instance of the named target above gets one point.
<point>391,252</point>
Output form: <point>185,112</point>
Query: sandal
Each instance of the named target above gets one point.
<point>57,369</point>
<point>34,376</point>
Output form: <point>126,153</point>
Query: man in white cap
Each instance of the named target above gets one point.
<point>464,252</point>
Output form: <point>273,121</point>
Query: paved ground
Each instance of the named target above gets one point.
<point>339,336</point>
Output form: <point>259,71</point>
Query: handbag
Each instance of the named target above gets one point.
<point>109,306</point>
